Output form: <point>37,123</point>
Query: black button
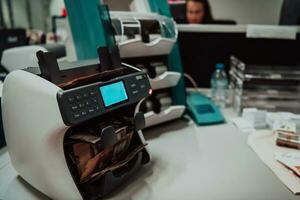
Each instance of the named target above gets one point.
<point>83,113</point>
<point>91,110</point>
<point>139,77</point>
<point>85,95</point>
<point>134,92</point>
<point>87,103</point>
<point>74,107</point>
<point>133,85</point>
<point>71,99</point>
<point>78,97</point>
<point>81,105</point>
<point>76,115</point>
<point>92,93</point>
<point>143,86</point>
<point>94,100</point>
<point>97,108</point>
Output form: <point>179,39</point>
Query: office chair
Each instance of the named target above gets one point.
<point>290,13</point>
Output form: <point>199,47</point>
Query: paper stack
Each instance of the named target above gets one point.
<point>290,160</point>
<point>256,117</point>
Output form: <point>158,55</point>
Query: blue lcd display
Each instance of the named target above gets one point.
<point>113,93</point>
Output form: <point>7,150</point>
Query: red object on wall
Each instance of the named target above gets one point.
<point>64,12</point>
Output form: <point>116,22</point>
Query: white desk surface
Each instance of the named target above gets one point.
<point>188,162</point>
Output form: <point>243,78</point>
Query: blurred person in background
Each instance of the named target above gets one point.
<point>198,12</point>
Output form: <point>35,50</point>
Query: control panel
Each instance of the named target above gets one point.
<point>86,102</point>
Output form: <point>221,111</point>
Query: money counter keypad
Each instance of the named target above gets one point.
<point>83,104</point>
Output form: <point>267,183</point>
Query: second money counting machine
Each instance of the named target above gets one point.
<point>145,41</point>
<point>75,133</point>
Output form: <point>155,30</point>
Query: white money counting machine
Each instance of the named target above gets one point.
<point>75,134</point>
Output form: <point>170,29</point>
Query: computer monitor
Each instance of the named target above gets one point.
<point>290,12</point>
<point>201,51</point>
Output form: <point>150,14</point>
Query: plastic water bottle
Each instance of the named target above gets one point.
<point>219,85</point>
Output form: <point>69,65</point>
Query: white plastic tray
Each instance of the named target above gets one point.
<point>165,80</point>
<point>173,112</point>
<point>137,48</point>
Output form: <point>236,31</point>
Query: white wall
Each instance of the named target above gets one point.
<point>19,13</point>
<point>119,5</point>
<point>247,11</point>
<point>56,6</point>
<point>242,11</point>
<point>122,5</point>
<point>39,12</point>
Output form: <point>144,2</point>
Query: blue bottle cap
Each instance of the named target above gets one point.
<point>220,66</point>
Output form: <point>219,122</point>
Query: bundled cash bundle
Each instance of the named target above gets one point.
<point>287,136</point>
<point>93,158</point>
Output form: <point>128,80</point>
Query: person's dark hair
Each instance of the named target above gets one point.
<point>207,9</point>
